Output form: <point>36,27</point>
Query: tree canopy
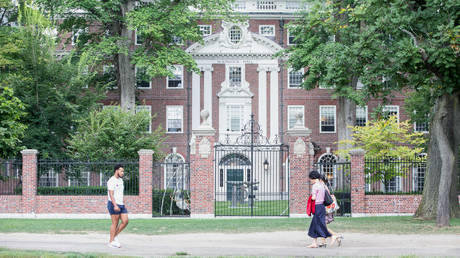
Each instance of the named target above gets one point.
<point>11,128</point>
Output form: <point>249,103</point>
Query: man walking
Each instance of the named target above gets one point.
<point>116,206</point>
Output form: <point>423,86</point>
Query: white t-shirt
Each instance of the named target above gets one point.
<point>116,185</point>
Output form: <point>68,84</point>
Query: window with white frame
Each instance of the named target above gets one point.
<point>327,117</point>
<point>267,30</point>
<point>295,78</point>
<point>50,178</point>
<point>205,30</point>
<point>291,38</point>
<point>174,119</point>
<point>391,111</point>
<point>327,167</point>
<point>361,116</point>
<point>175,82</point>
<point>393,185</point>
<point>234,118</point>
<point>235,34</point>
<point>147,109</point>
<point>138,38</point>
<point>81,180</point>
<point>175,172</point>
<point>143,81</point>
<point>418,174</point>
<point>292,115</point>
<point>109,76</point>
<point>104,177</point>
<point>421,127</point>
<point>235,76</point>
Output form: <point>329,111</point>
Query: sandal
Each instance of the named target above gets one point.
<point>312,246</point>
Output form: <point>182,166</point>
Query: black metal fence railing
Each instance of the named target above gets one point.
<point>10,177</point>
<point>72,177</point>
<point>171,189</point>
<point>394,175</point>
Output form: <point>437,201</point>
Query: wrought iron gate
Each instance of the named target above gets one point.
<point>171,189</point>
<point>338,175</point>
<point>251,175</point>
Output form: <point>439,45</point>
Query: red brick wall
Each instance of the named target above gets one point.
<point>357,182</point>
<point>10,204</point>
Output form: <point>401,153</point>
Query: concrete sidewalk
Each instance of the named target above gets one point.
<point>292,243</point>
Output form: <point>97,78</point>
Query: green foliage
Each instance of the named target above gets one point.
<point>80,190</point>
<point>114,134</point>
<point>165,197</point>
<point>11,128</point>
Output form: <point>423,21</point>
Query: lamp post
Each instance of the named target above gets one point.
<point>266,165</point>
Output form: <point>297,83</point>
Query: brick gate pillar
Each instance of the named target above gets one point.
<point>202,170</point>
<point>145,181</point>
<point>29,180</point>
<point>358,183</point>
<point>300,160</point>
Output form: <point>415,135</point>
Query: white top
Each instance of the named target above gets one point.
<point>116,185</point>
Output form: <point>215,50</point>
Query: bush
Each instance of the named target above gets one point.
<point>157,197</point>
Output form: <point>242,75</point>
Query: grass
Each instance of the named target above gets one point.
<point>261,208</point>
<point>32,254</point>
<point>388,225</point>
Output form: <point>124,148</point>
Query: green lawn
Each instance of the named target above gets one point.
<point>32,254</point>
<point>395,225</point>
<point>261,208</point>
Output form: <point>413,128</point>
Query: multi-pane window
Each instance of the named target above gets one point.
<point>138,39</point>
<point>327,119</point>
<point>234,118</point>
<point>205,30</point>
<point>267,30</point>
<point>421,127</point>
<point>79,180</point>
<point>142,79</point>
<point>361,116</point>
<point>174,119</point>
<point>391,111</point>
<point>235,34</point>
<point>175,82</point>
<point>147,109</point>
<point>327,163</point>
<point>266,5</point>
<point>419,172</point>
<point>235,76</point>
<point>48,179</point>
<point>291,38</point>
<point>110,76</point>
<point>393,185</point>
<point>293,111</point>
<point>295,79</point>
<point>175,171</point>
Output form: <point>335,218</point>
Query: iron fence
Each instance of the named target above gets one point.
<point>73,177</point>
<point>395,175</point>
<point>171,189</point>
<point>10,177</point>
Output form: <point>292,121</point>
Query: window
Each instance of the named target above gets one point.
<point>142,79</point>
<point>235,76</point>
<point>175,82</point>
<point>234,118</point>
<point>421,127</point>
<point>138,39</point>
<point>291,38</point>
<point>393,185</point>
<point>110,77</point>
<point>391,111</point>
<point>149,110</point>
<point>103,178</point>
<point>267,30</point>
<point>266,5</point>
<point>48,179</point>
<point>327,119</point>
<point>419,173</point>
<point>292,115</point>
<point>361,116</point>
<point>174,119</point>
<point>81,180</point>
<point>175,172</point>
<point>327,166</point>
<point>295,79</point>
<point>235,34</point>
<point>205,30</point>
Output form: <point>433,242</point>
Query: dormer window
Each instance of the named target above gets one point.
<point>235,34</point>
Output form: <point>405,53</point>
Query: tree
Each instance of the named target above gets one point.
<point>11,128</point>
<point>105,30</point>
<point>113,133</point>
<point>410,45</point>
<point>385,139</point>
<point>54,98</point>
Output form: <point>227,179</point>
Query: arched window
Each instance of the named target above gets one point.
<point>327,166</point>
<point>175,172</point>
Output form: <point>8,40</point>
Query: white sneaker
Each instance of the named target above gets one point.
<point>115,239</point>
<point>114,244</point>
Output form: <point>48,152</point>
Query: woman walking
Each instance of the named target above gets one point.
<point>318,223</point>
<point>330,216</point>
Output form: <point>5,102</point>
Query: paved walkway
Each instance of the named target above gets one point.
<point>290,243</point>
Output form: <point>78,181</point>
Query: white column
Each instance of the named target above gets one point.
<point>263,98</point>
<point>195,101</point>
<point>207,94</point>
<point>274,102</point>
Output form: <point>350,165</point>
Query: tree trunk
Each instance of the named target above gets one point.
<point>346,117</point>
<point>127,80</point>
<point>440,193</point>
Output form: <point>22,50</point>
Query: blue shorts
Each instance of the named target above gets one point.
<point>112,210</point>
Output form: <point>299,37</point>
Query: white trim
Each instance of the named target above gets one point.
<point>387,108</point>
<point>135,80</point>
<point>135,39</point>
<point>289,115</point>
<point>365,112</point>
<point>196,88</point>
<point>262,74</point>
<point>182,118</point>
<point>266,25</point>
<point>207,88</point>
<point>149,109</point>
<point>177,68</point>
<point>289,80</point>
<point>274,102</point>
<point>202,30</point>
<point>335,118</point>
